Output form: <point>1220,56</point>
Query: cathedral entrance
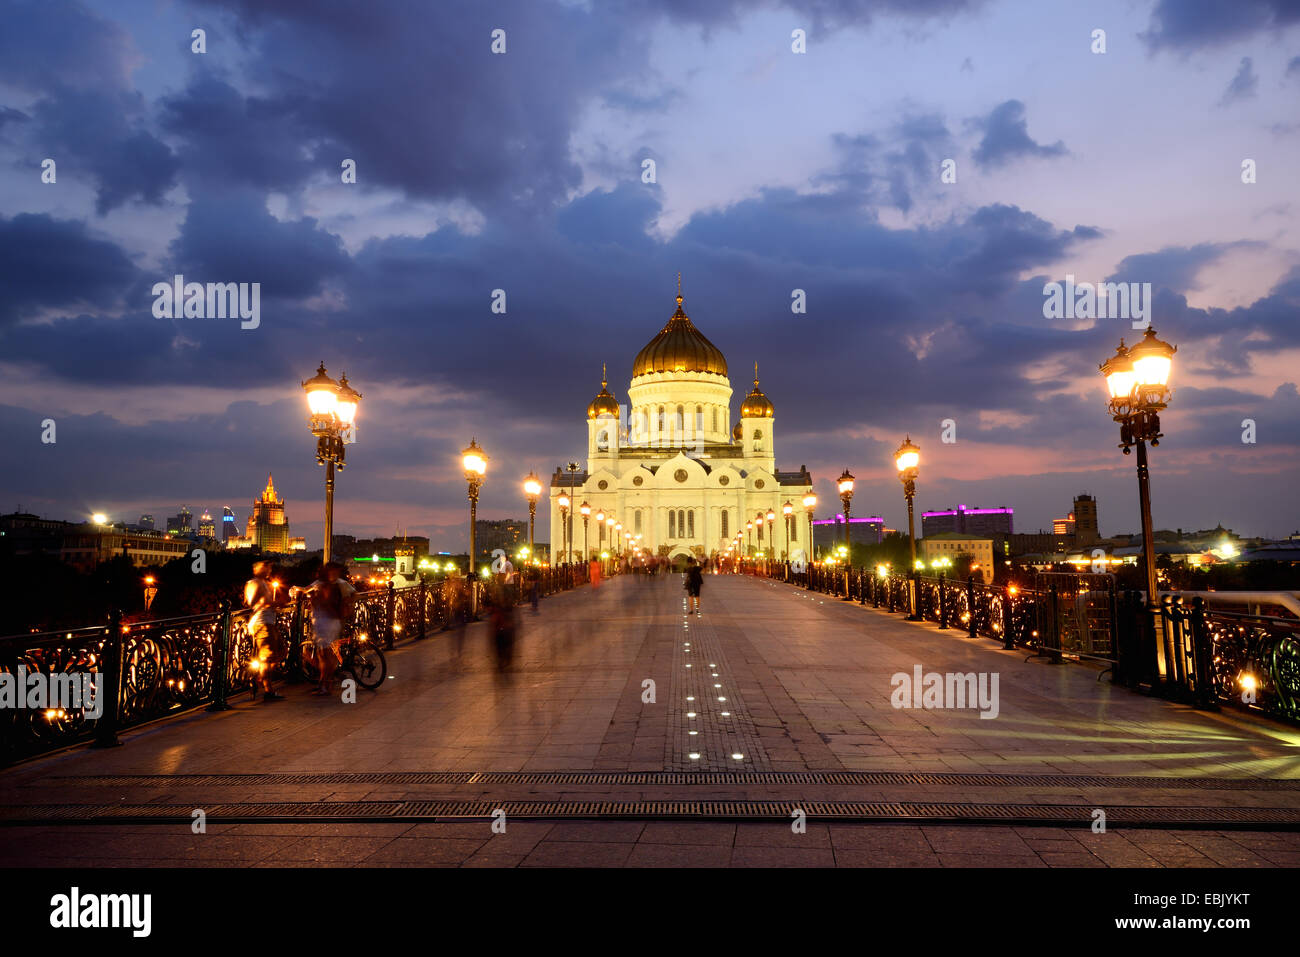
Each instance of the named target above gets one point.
<point>678,557</point>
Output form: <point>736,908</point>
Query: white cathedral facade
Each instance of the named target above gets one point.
<point>673,470</point>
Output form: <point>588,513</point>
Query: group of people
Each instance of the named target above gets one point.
<point>330,600</point>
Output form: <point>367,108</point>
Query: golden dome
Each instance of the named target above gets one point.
<point>679,347</point>
<point>604,403</point>
<point>756,404</point>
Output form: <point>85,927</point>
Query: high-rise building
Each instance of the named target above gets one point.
<point>181,523</point>
<point>229,529</point>
<point>268,526</point>
<point>989,522</point>
<point>207,529</point>
<point>1064,526</point>
<point>508,535</point>
<point>1085,520</point>
<point>146,523</point>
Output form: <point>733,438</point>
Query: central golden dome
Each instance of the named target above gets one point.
<point>679,347</point>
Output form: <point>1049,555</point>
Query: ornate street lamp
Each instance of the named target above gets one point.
<point>845,486</point>
<point>572,469</point>
<point>585,509</point>
<point>333,406</point>
<point>618,530</point>
<point>809,504</point>
<point>532,489</point>
<point>475,461</point>
<point>1138,382</point>
<point>787,510</point>
<point>771,541</point>
<point>600,530</point>
<point>564,502</point>
<point>749,536</point>
<point>908,460</point>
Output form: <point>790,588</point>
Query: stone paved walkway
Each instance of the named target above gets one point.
<point>806,681</point>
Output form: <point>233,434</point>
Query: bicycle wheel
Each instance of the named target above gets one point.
<point>366,663</point>
<point>310,664</point>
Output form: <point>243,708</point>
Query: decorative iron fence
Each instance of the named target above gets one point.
<point>145,670</point>
<point>1211,657</point>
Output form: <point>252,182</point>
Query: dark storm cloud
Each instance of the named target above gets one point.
<point>1174,267</point>
<point>233,140</point>
<point>414,94</point>
<point>229,236</point>
<point>55,264</point>
<point>1243,85</point>
<point>1193,24</point>
<point>1006,136</point>
<point>100,134</point>
<point>50,44</point>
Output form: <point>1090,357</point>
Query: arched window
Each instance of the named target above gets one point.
<point>681,422</point>
<point>698,425</point>
<point>759,528</point>
<point>637,520</point>
<point>758,440</point>
<point>672,524</point>
<point>715,418</point>
<point>661,420</point>
<point>602,440</point>
<point>794,528</point>
<point>726,514</point>
<point>690,524</point>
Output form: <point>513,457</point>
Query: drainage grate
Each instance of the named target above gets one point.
<point>845,811</point>
<point>708,778</point>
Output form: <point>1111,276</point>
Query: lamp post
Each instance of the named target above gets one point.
<point>749,536</point>
<point>771,541</point>
<point>809,504</point>
<point>333,407</point>
<point>908,460</point>
<point>618,531</point>
<point>600,530</point>
<point>475,461</point>
<point>1138,382</point>
<point>609,525</point>
<point>585,509</point>
<point>532,489</point>
<point>788,511</point>
<point>845,486</point>
<point>572,469</point>
<point>564,501</point>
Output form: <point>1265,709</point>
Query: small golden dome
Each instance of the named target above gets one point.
<point>756,404</point>
<point>738,433</point>
<point>604,403</point>
<point>679,347</point>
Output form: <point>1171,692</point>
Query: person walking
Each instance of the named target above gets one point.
<point>326,595</point>
<point>262,595</point>
<point>694,582</point>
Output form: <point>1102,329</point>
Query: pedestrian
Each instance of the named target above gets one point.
<point>594,573</point>
<point>261,594</point>
<point>326,597</point>
<point>694,581</point>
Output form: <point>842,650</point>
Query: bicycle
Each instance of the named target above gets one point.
<point>358,656</point>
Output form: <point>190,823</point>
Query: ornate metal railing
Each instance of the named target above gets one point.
<point>1212,657</point>
<point>145,670</point>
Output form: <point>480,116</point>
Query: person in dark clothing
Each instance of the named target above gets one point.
<point>694,581</point>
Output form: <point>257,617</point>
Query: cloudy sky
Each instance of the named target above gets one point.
<point>523,171</point>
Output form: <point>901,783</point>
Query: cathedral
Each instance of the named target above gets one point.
<point>671,467</point>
